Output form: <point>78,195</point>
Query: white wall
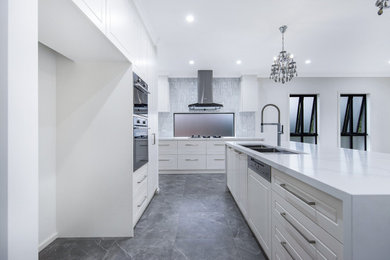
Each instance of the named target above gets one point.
<point>47,145</point>
<point>19,130</point>
<point>94,149</point>
<point>329,90</point>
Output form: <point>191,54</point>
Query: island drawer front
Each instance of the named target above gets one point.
<point>322,208</point>
<point>167,147</point>
<point>216,162</point>
<point>192,162</point>
<point>140,200</point>
<point>167,162</point>
<point>284,246</point>
<point>192,147</point>
<point>308,235</point>
<point>215,147</point>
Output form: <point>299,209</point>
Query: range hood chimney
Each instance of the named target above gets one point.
<point>205,92</point>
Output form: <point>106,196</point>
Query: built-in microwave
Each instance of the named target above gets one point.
<point>140,96</point>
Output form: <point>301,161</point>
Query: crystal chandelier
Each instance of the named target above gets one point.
<point>381,4</point>
<point>284,67</point>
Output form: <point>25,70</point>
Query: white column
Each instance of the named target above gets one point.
<point>19,129</point>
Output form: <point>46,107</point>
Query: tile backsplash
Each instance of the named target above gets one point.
<point>226,91</point>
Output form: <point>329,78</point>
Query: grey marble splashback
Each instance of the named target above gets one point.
<point>183,91</point>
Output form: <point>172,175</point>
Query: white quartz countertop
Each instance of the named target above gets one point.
<point>226,139</point>
<point>339,172</point>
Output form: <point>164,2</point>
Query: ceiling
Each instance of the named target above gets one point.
<point>341,38</point>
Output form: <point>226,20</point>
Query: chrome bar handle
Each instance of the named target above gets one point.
<point>284,215</point>
<point>285,248</point>
<point>192,160</point>
<point>154,139</point>
<point>311,203</point>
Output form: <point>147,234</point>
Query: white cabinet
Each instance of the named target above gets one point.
<point>243,183</point>
<point>229,167</point>
<point>215,147</point>
<point>259,209</point>
<point>163,97</point>
<point>168,162</point>
<point>95,10</point>
<point>167,147</point>
<point>191,147</point>
<point>249,94</point>
<point>191,162</point>
<point>215,161</point>
<point>140,192</point>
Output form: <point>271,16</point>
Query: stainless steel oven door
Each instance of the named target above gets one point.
<point>140,145</point>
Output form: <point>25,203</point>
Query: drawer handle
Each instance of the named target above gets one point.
<point>192,160</point>
<point>191,145</point>
<point>285,248</point>
<point>284,215</point>
<point>143,145</point>
<point>164,160</point>
<point>219,144</point>
<point>144,178</point>
<point>142,203</point>
<point>219,159</point>
<point>311,203</point>
<point>163,145</point>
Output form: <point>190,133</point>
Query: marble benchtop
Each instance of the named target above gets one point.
<point>339,172</point>
<point>225,139</point>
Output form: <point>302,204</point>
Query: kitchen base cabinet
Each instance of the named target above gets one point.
<point>259,209</point>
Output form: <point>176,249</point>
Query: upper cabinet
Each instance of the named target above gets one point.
<point>249,93</point>
<point>95,10</point>
<point>163,97</point>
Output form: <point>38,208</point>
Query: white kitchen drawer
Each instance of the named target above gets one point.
<point>139,177</point>
<point>284,246</point>
<point>310,237</point>
<point>167,147</point>
<point>191,147</point>
<point>320,207</point>
<point>192,162</point>
<point>215,147</point>
<point>216,162</point>
<point>140,201</point>
<point>167,162</point>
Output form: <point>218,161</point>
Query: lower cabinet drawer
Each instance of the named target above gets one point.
<point>140,176</point>
<point>192,162</point>
<point>285,247</point>
<point>167,162</point>
<point>307,235</point>
<point>215,147</point>
<point>140,201</point>
<point>323,209</point>
<point>216,162</point>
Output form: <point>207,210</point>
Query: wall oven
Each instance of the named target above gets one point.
<point>140,141</point>
<point>140,96</point>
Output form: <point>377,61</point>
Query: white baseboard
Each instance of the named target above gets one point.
<point>47,241</point>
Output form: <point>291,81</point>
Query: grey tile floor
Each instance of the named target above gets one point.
<point>193,218</point>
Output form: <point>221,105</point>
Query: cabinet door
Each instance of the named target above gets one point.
<point>259,209</point>
<point>95,10</point>
<point>243,188</point>
<point>122,27</point>
<point>229,165</point>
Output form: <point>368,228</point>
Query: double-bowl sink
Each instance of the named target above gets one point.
<point>269,149</point>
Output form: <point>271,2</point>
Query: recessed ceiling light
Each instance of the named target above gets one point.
<point>238,62</point>
<point>191,62</point>
<point>307,61</point>
<point>190,18</point>
<point>389,61</point>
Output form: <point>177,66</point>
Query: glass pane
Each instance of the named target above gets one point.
<point>357,106</point>
<point>309,139</point>
<point>358,142</point>
<point>295,138</point>
<point>293,113</point>
<point>346,142</point>
<point>307,108</point>
<point>362,127</point>
<point>343,109</point>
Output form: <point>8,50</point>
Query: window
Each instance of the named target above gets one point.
<point>303,118</point>
<point>353,121</point>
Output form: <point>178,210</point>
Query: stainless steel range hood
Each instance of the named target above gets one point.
<point>205,92</point>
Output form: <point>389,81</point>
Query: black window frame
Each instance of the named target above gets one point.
<point>349,113</point>
<point>300,118</point>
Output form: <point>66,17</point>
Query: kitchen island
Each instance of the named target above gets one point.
<point>319,203</point>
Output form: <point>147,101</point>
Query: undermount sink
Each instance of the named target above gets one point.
<point>269,149</point>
